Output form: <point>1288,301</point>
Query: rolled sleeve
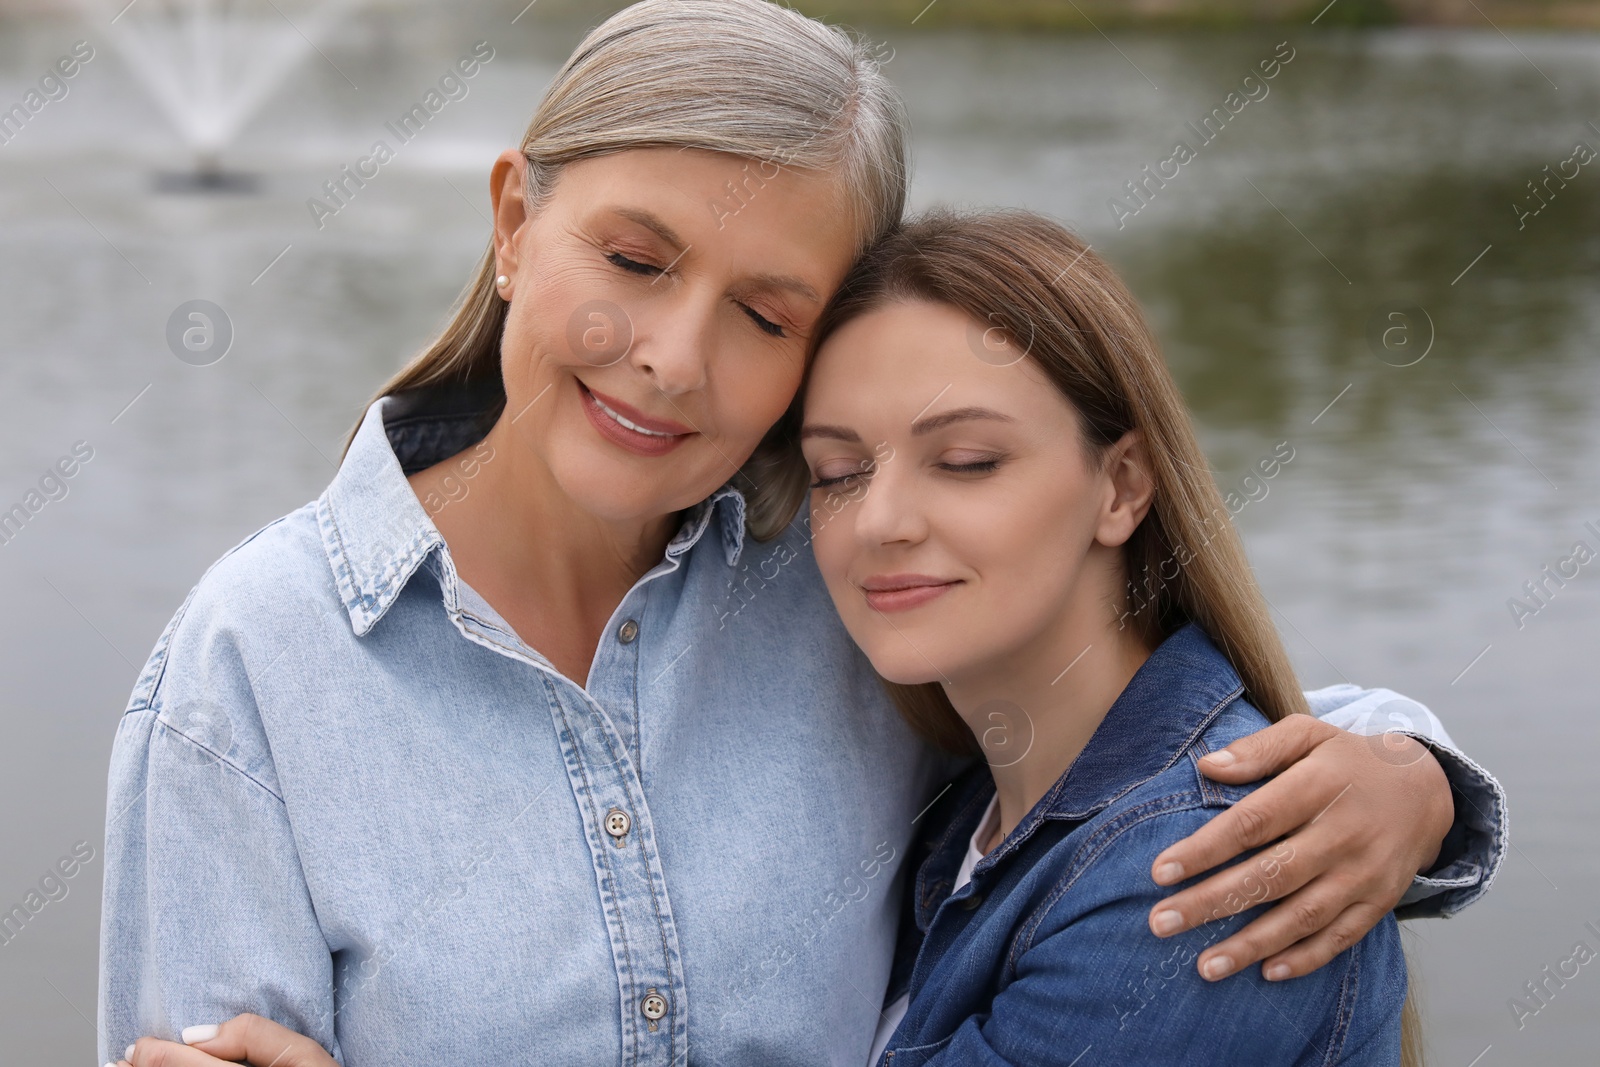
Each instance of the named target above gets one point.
<point>1472,851</point>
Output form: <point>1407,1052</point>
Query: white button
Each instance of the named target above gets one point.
<point>654,1006</point>
<point>617,823</point>
<point>627,632</point>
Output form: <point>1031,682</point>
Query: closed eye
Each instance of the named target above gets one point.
<point>633,266</point>
<point>980,467</point>
<point>764,324</point>
<point>860,472</point>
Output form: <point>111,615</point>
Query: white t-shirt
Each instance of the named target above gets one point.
<point>895,1012</point>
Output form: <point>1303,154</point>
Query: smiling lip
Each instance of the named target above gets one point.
<point>901,592</point>
<point>665,437</point>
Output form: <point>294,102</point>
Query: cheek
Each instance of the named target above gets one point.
<point>1029,548</point>
<point>524,347</point>
<point>549,301</point>
<point>751,391</point>
<point>832,540</point>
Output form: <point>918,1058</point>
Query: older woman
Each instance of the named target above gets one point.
<point>536,738</point>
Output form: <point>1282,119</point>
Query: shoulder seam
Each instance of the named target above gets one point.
<point>144,691</point>
<point>220,758</point>
<point>146,688</point>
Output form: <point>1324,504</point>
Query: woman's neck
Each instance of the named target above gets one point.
<point>1035,711</point>
<point>553,571</point>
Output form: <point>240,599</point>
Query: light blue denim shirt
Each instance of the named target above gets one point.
<point>346,796</point>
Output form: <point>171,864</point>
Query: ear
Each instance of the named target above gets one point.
<point>1129,489</point>
<point>506,185</point>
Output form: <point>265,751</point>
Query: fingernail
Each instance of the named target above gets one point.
<point>191,1034</point>
<point>1217,967</point>
<point>1277,972</point>
<point>1222,758</point>
<point>1169,872</point>
<point>1166,922</point>
<point>128,1054</point>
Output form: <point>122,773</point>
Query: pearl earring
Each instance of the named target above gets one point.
<point>502,281</point>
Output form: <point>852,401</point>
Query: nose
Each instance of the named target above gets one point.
<point>888,511</point>
<point>674,344</point>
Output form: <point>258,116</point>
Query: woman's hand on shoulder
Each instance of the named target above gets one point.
<point>1358,818</point>
<point>242,1039</point>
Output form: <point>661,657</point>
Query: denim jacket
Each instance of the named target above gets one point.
<point>1046,957</point>
<point>347,796</point>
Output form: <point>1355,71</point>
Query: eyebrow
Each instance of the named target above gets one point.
<point>924,426</point>
<point>837,433</point>
<point>787,282</point>
<point>651,223</point>
<point>945,418</point>
<point>799,286</point>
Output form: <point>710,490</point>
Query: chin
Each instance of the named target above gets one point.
<point>900,662</point>
<point>910,677</point>
<point>610,495</point>
<point>619,489</point>
<point>616,486</point>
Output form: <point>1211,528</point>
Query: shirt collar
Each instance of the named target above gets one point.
<point>1171,700</point>
<point>731,524</point>
<point>376,532</point>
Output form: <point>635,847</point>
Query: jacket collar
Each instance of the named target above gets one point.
<point>1168,704</point>
<point>1172,699</point>
<point>376,532</point>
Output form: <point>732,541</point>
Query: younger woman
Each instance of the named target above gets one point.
<point>1015,460</point>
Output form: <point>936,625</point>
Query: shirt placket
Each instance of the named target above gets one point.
<point>594,730</point>
<point>644,939</point>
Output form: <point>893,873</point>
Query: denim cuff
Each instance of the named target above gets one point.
<point>1470,855</point>
<point>1472,851</point>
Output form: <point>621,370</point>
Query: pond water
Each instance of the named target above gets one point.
<point>1381,173</point>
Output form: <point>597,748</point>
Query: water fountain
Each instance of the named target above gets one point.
<point>210,65</point>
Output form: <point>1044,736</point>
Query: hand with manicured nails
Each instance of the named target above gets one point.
<point>1357,818</point>
<point>242,1039</point>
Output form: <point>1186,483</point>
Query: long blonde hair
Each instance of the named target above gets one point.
<point>1034,290</point>
<point>745,77</point>
<point>1035,286</point>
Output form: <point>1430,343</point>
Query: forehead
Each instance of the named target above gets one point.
<point>719,202</point>
<point>920,354</point>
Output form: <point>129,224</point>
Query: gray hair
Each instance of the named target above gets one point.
<point>745,77</point>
